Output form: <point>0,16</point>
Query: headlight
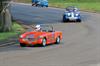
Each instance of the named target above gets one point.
<point>68,14</point>
<point>21,36</point>
<point>77,14</point>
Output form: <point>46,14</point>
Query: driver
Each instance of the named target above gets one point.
<point>38,28</point>
<point>75,9</point>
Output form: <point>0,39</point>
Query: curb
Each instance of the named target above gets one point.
<point>8,42</point>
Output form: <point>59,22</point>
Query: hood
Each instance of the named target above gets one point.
<point>32,34</point>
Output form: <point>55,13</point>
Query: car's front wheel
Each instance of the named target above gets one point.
<point>78,20</point>
<point>65,19</point>
<point>46,5</point>
<point>58,40</point>
<point>43,42</point>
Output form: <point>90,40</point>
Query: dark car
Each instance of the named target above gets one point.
<point>40,3</point>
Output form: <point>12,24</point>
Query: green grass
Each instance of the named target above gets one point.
<point>86,5</point>
<point>17,29</point>
<point>23,1</point>
<point>93,7</point>
<point>61,1</point>
<point>55,1</point>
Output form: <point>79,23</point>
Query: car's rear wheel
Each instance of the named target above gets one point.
<point>58,40</point>
<point>22,45</point>
<point>43,42</point>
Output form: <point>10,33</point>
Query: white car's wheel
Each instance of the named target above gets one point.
<point>44,42</point>
<point>78,20</point>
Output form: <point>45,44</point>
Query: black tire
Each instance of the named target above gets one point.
<point>44,42</point>
<point>64,19</point>
<point>47,6</point>
<point>42,6</point>
<point>78,20</point>
<point>58,40</point>
<point>22,45</point>
<point>37,5</point>
<point>32,4</point>
<point>67,20</point>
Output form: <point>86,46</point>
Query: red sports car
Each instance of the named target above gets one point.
<point>47,35</point>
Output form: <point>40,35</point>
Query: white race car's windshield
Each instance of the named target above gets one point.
<point>70,9</point>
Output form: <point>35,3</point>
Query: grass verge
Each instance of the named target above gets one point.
<point>17,29</point>
<point>92,7</point>
<point>85,5</point>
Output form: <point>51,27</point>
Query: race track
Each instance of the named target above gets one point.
<point>80,45</point>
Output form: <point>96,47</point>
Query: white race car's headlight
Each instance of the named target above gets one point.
<point>77,14</point>
<point>68,14</point>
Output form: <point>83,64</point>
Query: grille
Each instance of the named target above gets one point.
<point>30,39</point>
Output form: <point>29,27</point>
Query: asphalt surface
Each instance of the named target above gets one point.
<point>80,45</point>
<point>36,15</point>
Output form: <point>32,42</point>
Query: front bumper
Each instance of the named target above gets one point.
<point>27,42</point>
<point>72,18</point>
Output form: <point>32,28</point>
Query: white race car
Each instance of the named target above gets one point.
<point>71,14</point>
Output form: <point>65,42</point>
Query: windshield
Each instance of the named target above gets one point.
<point>71,8</point>
<point>44,28</point>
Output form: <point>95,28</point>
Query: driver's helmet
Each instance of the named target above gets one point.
<point>37,27</point>
<point>67,9</point>
<point>75,9</point>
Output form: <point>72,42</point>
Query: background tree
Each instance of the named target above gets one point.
<point>5,16</point>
